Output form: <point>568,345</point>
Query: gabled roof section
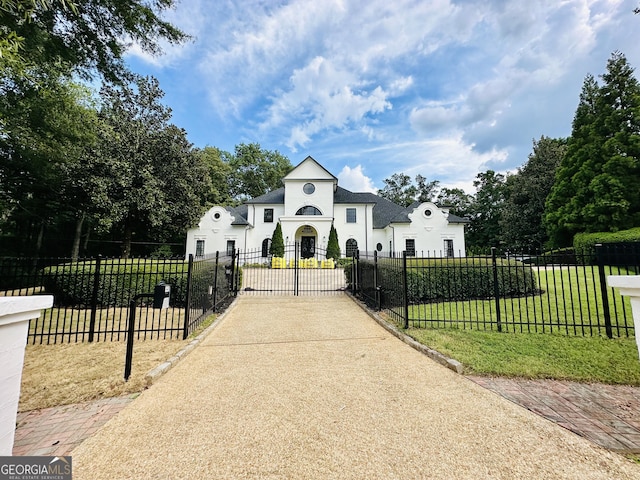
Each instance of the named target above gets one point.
<point>456,219</point>
<point>239,214</point>
<point>310,169</point>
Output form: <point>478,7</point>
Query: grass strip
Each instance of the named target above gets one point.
<point>539,356</point>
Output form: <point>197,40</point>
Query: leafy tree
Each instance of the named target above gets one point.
<point>401,190</point>
<point>596,184</point>
<point>457,199</point>
<point>45,130</point>
<point>256,171</point>
<point>277,242</point>
<point>333,246</point>
<point>151,181</point>
<point>427,191</point>
<point>526,193</point>
<point>219,169</point>
<point>84,35</point>
<point>485,213</point>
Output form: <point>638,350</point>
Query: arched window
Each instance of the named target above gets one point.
<point>308,210</point>
<point>352,247</point>
<point>266,243</point>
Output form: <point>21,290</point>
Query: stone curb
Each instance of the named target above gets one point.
<point>450,363</point>
<point>154,374</point>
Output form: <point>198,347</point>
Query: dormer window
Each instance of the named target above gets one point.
<point>308,210</point>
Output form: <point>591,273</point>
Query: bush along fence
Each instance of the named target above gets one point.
<point>92,295</point>
<point>563,293</point>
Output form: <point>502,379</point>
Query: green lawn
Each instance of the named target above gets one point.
<point>570,303</point>
<point>552,335</point>
<point>536,355</point>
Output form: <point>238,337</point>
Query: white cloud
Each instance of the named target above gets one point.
<point>444,88</point>
<point>322,97</point>
<point>355,180</point>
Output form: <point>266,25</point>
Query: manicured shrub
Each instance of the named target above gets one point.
<point>277,242</point>
<point>333,246</point>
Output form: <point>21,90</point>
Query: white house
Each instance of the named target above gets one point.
<point>306,206</point>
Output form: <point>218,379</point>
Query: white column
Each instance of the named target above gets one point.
<point>629,285</point>
<point>15,313</point>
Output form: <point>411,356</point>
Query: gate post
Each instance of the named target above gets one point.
<point>187,308</point>
<point>296,252</point>
<point>496,289</point>
<point>215,280</point>
<point>603,290</point>
<point>376,287</point>
<point>405,289</point>
<point>94,299</point>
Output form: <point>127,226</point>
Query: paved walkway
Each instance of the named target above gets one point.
<point>58,430</point>
<point>311,388</point>
<point>608,415</point>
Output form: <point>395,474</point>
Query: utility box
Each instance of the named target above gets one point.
<point>161,295</point>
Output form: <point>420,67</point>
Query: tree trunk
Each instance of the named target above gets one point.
<point>75,248</point>
<point>40,239</point>
<point>126,244</point>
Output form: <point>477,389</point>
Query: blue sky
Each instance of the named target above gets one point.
<point>441,88</point>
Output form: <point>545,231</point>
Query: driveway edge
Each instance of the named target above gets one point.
<point>154,374</point>
<point>450,363</point>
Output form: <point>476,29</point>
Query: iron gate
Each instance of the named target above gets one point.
<point>300,271</point>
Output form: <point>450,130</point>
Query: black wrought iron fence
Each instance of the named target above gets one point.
<point>563,292</point>
<point>298,271</point>
<point>92,295</point>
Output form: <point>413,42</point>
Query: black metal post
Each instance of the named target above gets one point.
<point>187,308</point>
<point>94,299</point>
<point>130,332</point>
<point>215,280</point>
<point>375,281</point>
<point>496,288</point>
<point>405,289</point>
<point>603,290</point>
<point>296,286</point>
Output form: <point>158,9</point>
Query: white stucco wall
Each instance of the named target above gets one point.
<point>429,226</point>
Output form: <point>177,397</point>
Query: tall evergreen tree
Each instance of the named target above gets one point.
<point>596,184</point>
<point>333,246</point>
<point>277,242</point>
<point>570,189</point>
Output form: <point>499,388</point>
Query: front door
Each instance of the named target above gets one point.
<point>308,247</point>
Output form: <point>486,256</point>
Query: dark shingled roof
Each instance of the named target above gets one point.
<point>456,219</point>
<point>273,197</point>
<point>240,214</point>
<point>384,211</point>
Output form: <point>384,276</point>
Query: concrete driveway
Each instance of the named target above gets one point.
<point>312,387</point>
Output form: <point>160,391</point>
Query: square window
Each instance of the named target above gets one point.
<point>268,215</point>
<point>351,215</point>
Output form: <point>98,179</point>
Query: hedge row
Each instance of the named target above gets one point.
<point>452,280</point>
<point>586,241</point>
<point>73,283</point>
